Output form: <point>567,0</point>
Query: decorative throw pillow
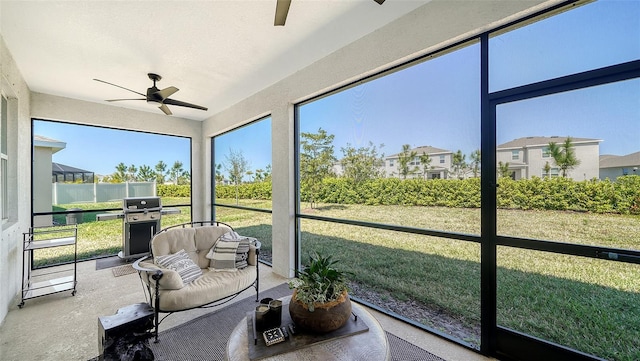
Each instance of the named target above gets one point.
<point>181,263</point>
<point>230,252</point>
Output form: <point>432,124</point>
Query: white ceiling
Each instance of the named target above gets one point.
<point>216,52</point>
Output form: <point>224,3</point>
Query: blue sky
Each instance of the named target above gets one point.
<point>101,149</point>
<point>252,140</point>
<point>437,102</point>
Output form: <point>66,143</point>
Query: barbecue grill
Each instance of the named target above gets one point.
<point>141,221</point>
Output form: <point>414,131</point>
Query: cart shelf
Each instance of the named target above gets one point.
<point>37,285</point>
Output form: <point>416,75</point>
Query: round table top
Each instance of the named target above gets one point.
<point>370,346</point>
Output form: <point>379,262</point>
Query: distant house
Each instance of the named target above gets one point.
<point>614,166</point>
<point>528,157</point>
<point>439,167</point>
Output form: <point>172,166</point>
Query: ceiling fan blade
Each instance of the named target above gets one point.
<point>379,1</point>
<point>133,91</point>
<point>282,9</point>
<point>166,92</point>
<point>183,104</point>
<point>165,109</point>
<point>117,100</point>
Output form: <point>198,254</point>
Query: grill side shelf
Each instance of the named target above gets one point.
<point>109,216</point>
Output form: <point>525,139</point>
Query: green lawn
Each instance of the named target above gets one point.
<point>589,304</point>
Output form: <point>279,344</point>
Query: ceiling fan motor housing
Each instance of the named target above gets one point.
<point>153,96</point>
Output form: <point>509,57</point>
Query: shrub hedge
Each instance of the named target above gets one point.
<point>173,190</point>
<point>257,190</point>
<point>621,196</point>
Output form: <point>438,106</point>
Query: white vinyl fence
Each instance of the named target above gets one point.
<point>67,193</point>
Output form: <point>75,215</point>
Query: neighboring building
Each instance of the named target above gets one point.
<point>439,167</point>
<point>63,173</point>
<point>527,157</point>
<point>614,166</point>
<point>43,150</point>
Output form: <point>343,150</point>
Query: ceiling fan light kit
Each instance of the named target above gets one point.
<point>155,95</point>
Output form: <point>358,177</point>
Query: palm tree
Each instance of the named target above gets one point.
<point>404,159</point>
<point>258,177</point>
<point>458,164</point>
<point>267,172</point>
<point>425,160</point>
<point>176,171</point>
<point>503,169</point>
<point>564,155</point>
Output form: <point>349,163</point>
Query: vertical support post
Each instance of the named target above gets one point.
<point>257,274</point>
<point>488,184</point>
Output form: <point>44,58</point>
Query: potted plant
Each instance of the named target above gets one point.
<point>320,300</point>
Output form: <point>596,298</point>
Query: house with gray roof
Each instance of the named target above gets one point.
<point>614,166</point>
<point>65,173</point>
<point>439,166</point>
<point>529,156</point>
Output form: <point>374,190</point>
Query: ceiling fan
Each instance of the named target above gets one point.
<point>156,95</point>
<point>282,9</point>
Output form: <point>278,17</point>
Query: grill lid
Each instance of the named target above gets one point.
<point>141,204</point>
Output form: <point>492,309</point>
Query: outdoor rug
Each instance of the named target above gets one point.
<point>205,338</point>
<point>126,269</point>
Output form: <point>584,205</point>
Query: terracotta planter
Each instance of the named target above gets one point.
<point>326,317</point>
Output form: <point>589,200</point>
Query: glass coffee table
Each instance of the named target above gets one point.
<point>371,345</point>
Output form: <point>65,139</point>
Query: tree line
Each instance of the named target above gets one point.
<point>237,167</point>
<point>366,163</point>
<point>161,173</point>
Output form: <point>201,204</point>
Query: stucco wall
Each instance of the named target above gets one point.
<point>42,158</point>
<point>15,89</point>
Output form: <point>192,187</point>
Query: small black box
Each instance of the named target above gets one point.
<point>129,324</point>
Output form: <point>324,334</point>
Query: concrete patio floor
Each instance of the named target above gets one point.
<point>65,327</point>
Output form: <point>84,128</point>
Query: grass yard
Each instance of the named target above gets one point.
<point>589,304</point>
<point>592,305</point>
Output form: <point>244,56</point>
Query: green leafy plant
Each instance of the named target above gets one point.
<point>319,282</point>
